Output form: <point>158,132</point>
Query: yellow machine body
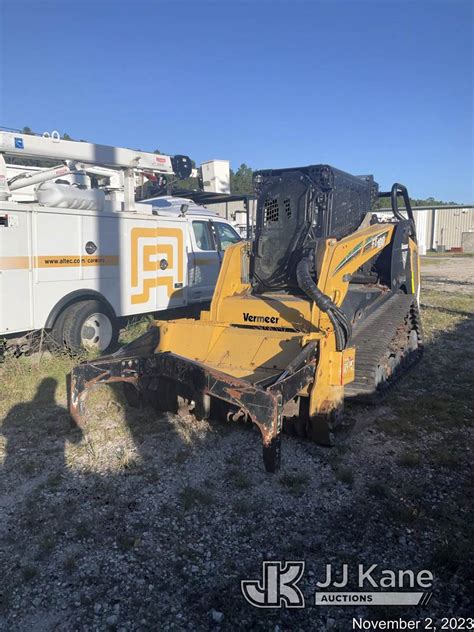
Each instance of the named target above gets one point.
<point>256,337</point>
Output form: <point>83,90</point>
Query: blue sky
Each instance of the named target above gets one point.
<point>370,87</point>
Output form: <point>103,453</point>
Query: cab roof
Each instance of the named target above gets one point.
<point>170,205</point>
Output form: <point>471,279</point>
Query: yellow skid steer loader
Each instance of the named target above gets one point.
<point>320,307</point>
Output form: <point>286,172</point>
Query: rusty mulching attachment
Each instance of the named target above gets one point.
<point>261,403</point>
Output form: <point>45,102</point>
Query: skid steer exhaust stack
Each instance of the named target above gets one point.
<point>290,313</point>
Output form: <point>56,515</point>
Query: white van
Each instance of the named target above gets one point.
<point>75,272</point>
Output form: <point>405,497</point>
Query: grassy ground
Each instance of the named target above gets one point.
<point>145,522</point>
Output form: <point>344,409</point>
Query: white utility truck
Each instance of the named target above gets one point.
<point>78,252</point>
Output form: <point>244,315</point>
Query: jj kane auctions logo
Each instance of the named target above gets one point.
<point>279,586</point>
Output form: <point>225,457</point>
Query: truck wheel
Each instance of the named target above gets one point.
<point>57,332</point>
<point>89,325</point>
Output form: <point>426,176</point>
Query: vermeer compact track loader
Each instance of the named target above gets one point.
<point>320,307</point>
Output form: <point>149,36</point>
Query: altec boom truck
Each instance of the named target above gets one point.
<point>78,251</point>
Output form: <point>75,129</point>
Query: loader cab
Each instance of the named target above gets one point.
<point>295,208</point>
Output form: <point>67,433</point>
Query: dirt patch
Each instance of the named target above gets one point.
<point>453,274</point>
<point>145,522</point>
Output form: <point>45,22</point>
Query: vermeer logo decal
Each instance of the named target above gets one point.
<point>250,318</point>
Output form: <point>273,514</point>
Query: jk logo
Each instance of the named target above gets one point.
<point>277,588</point>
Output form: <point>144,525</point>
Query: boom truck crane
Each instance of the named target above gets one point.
<point>322,306</point>
<point>85,157</point>
<point>77,258</point>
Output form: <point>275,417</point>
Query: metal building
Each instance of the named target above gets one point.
<point>442,228</point>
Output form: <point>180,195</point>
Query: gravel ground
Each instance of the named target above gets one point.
<point>145,523</point>
<point>453,274</point>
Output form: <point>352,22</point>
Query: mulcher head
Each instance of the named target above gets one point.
<point>195,384</point>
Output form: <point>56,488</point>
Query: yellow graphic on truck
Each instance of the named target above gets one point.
<point>146,250</point>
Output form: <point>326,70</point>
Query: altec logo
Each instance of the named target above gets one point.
<point>149,247</point>
<point>250,318</point>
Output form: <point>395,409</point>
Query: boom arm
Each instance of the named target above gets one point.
<point>54,147</point>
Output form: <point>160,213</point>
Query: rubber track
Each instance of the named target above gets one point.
<point>372,343</point>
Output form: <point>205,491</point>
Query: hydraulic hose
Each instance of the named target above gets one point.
<point>340,322</point>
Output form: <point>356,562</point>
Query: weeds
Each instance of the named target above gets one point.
<point>242,507</point>
<point>135,327</point>
<point>240,479</point>
<point>378,489</point>
<point>29,572</point>
<point>345,475</point>
<point>295,483</point>
<point>70,563</point>
<point>193,496</point>
<point>409,459</point>
<point>432,407</point>
<point>445,457</point>
<point>45,546</point>
<point>125,542</point>
<point>402,513</point>
<point>126,458</point>
<point>83,531</point>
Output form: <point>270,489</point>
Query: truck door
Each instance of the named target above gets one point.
<point>156,265</point>
<point>16,265</point>
<point>225,236</point>
<point>204,261</point>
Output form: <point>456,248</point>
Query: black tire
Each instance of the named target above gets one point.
<point>89,325</point>
<point>57,333</point>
